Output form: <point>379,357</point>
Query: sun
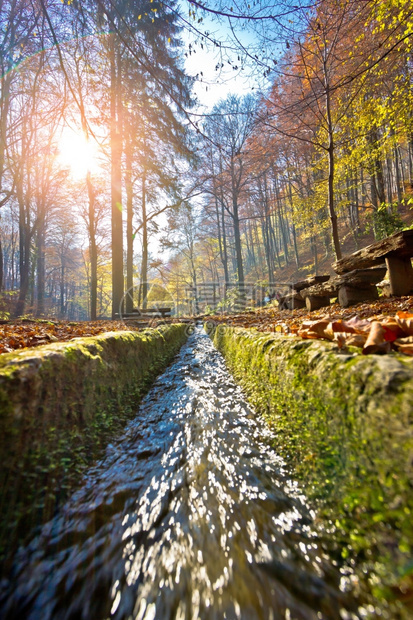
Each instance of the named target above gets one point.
<point>78,154</point>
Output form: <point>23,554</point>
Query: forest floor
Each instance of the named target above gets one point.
<point>328,323</point>
<point>325,255</point>
<point>375,327</point>
<point>22,333</point>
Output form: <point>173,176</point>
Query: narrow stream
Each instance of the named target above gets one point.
<point>190,515</point>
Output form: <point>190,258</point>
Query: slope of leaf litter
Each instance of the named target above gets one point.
<point>24,333</point>
<point>374,327</point>
<point>346,326</point>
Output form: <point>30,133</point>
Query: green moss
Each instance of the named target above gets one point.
<point>344,423</point>
<point>59,407</point>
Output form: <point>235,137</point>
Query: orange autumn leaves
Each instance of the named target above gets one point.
<point>390,333</point>
<point>22,334</point>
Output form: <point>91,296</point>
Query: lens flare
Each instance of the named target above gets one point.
<point>78,154</point>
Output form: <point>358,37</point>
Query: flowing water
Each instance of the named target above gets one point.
<point>191,514</point>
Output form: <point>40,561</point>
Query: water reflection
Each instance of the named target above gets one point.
<point>190,515</point>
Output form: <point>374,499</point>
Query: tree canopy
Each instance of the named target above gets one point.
<point>271,181</point>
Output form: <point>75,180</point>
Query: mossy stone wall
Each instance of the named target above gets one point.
<point>60,404</point>
<point>344,422</point>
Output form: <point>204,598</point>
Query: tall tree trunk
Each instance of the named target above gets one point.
<point>389,178</point>
<point>268,246</point>
<point>144,265</point>
<point>13,261</point>
<point>224,246</point>
<point>281,222</point>
<point>276,245</point>
<point>224,233</point>
<point>238,247</point>
<point>40,268</point>
<point>377,169</point>
<point>315,253</point>
<point>356,200</point>
<point>236,222</point>
<point>24,251</point>
<point>290,196</point>
<point>129,222</point>
<point>1,266</point>
<point>62,286</point>
<point>363,196</point>
<point>221,239</point>
<point>267,230</point>
<point>297,258</point>
<point>116,175</point>
<point>93,255</point>
<point>373,190</point>
<point>331,206</point>
<point>397,169</point>
<point>4,112</point>
<point>33,262</point>
<point>331,167</point>
<point>252,247</point>
<point>381,191</point>
<point>411,159</point>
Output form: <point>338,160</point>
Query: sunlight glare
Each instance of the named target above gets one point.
<point>78,154</point>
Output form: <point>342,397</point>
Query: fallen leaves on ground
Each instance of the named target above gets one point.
<point>378,327</point>
<point>345,326</point>
<point>26,333</point>
<point>373,336</point>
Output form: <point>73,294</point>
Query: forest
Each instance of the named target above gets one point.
<point>114,178</point>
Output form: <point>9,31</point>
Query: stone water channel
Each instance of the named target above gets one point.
<point>191,514</point>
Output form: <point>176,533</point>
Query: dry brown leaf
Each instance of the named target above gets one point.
<point>344,339</point>
<point>406,340</point>
<point>407,349</point>
<point>376,341</point>
<point>392,329</point>
<point>356,325</point>
<point>342,326</point>
<point>314,329</point>
<point>329,332</point>
<point>405,321</point>
<point>404,345</point>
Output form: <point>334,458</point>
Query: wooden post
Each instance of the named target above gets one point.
<point>314,303</point>
<point>349,295</point>
<point>294,301</point>
<point>400,275</point>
